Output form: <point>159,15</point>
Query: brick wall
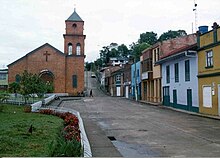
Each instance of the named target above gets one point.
<point>75,66</point>
<point>36,62</point>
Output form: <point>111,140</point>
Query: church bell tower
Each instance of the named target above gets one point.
<point>74,41</point>
<point>74,38</point>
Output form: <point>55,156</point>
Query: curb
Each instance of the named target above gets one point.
<point>193,113</point>
<point>174,109</point>
<point>182,111</point>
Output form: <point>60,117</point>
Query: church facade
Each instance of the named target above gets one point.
<point>64,69</point>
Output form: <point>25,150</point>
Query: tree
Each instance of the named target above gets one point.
<point>26,85</point>
<point>137,49</point>
<point>39,87</point>
<point>98,63</point>
<point>14,87</point>
<point>172,34</point>
<point>113,45</point>
<point>123,50</point>
<point>104,54</point>
<point>88,66</point>
<point>33,84</point>
<point>148,37</point>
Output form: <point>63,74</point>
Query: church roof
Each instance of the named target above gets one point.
<point>74,17</point>
<point>46,44</point>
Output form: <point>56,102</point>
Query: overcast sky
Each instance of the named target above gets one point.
<point>28,24</point>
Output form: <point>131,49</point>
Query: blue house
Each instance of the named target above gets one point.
<point>136,81</point>
<point>179,78</point>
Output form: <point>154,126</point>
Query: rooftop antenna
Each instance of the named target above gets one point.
<point>196,14</point>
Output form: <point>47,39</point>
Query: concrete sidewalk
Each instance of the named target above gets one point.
<point>101,146</point>
<point>180,110</point>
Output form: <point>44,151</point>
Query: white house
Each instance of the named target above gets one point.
<point>118,61</point>
<point>179,78</point>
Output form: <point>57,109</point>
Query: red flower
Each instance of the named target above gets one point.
<point>70,133</point>
<point>71,120</point>
<point>71,130</point>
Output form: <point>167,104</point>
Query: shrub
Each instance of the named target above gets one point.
<point>1,108</point>
<point>68,143</point>
<point>71,120</point>
<point>71,133</point>
<point>27,108</point>
<point>60,115</point>
<point>3,96</point>
<point>47,112</point>
<point>63,147</point>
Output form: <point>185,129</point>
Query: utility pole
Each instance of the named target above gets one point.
<point>196,15</point>
<point>135,76</point>
<point>87,82</point>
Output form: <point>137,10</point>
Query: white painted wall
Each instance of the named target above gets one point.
<point>182,85</point>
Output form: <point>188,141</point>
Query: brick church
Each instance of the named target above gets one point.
<point>64,69</point>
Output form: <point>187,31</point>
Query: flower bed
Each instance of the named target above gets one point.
<point>69,141</point>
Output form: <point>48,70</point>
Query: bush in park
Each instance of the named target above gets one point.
<point>3,96</point>
<point>68,143</point>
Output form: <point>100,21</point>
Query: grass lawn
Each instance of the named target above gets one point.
<point>16,141</point>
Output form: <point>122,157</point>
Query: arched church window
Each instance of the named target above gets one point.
<point>78,49</point>
<point>74,26</point>
<point>70,49</point>
<point>18,78</point>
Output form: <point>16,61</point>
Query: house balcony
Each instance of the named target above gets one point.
<point>147,75</point>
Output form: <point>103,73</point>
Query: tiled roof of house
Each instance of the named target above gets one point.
<point>178,50</point>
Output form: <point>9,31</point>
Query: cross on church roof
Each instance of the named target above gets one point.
<point>46,54</point>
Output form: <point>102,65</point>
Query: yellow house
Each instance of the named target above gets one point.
<point>209,71</point>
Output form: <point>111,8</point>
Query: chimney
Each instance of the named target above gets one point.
<point>203,29</point>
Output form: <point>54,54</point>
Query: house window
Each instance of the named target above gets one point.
<point>2,76</point>
<point>74,81</point>
<point>209,59</point>
<point>70,49</point>
<point>176,70</point>
<point>154,54</point>
<point>78,49</point>
<point>187,70</point>
<point>138,72</point>
<point>118,78</point>
<point>168,74</point>
<point>74,26</point>
<point>207,96</point>
<point>157,54</point>
<point>17,78</point>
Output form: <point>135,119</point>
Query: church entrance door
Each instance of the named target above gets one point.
<point>47,76</point>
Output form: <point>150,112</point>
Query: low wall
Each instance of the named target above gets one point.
<point>36,106</point>
<point>49,99</point>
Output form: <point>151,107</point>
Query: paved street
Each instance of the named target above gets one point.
<point>145,130</point>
